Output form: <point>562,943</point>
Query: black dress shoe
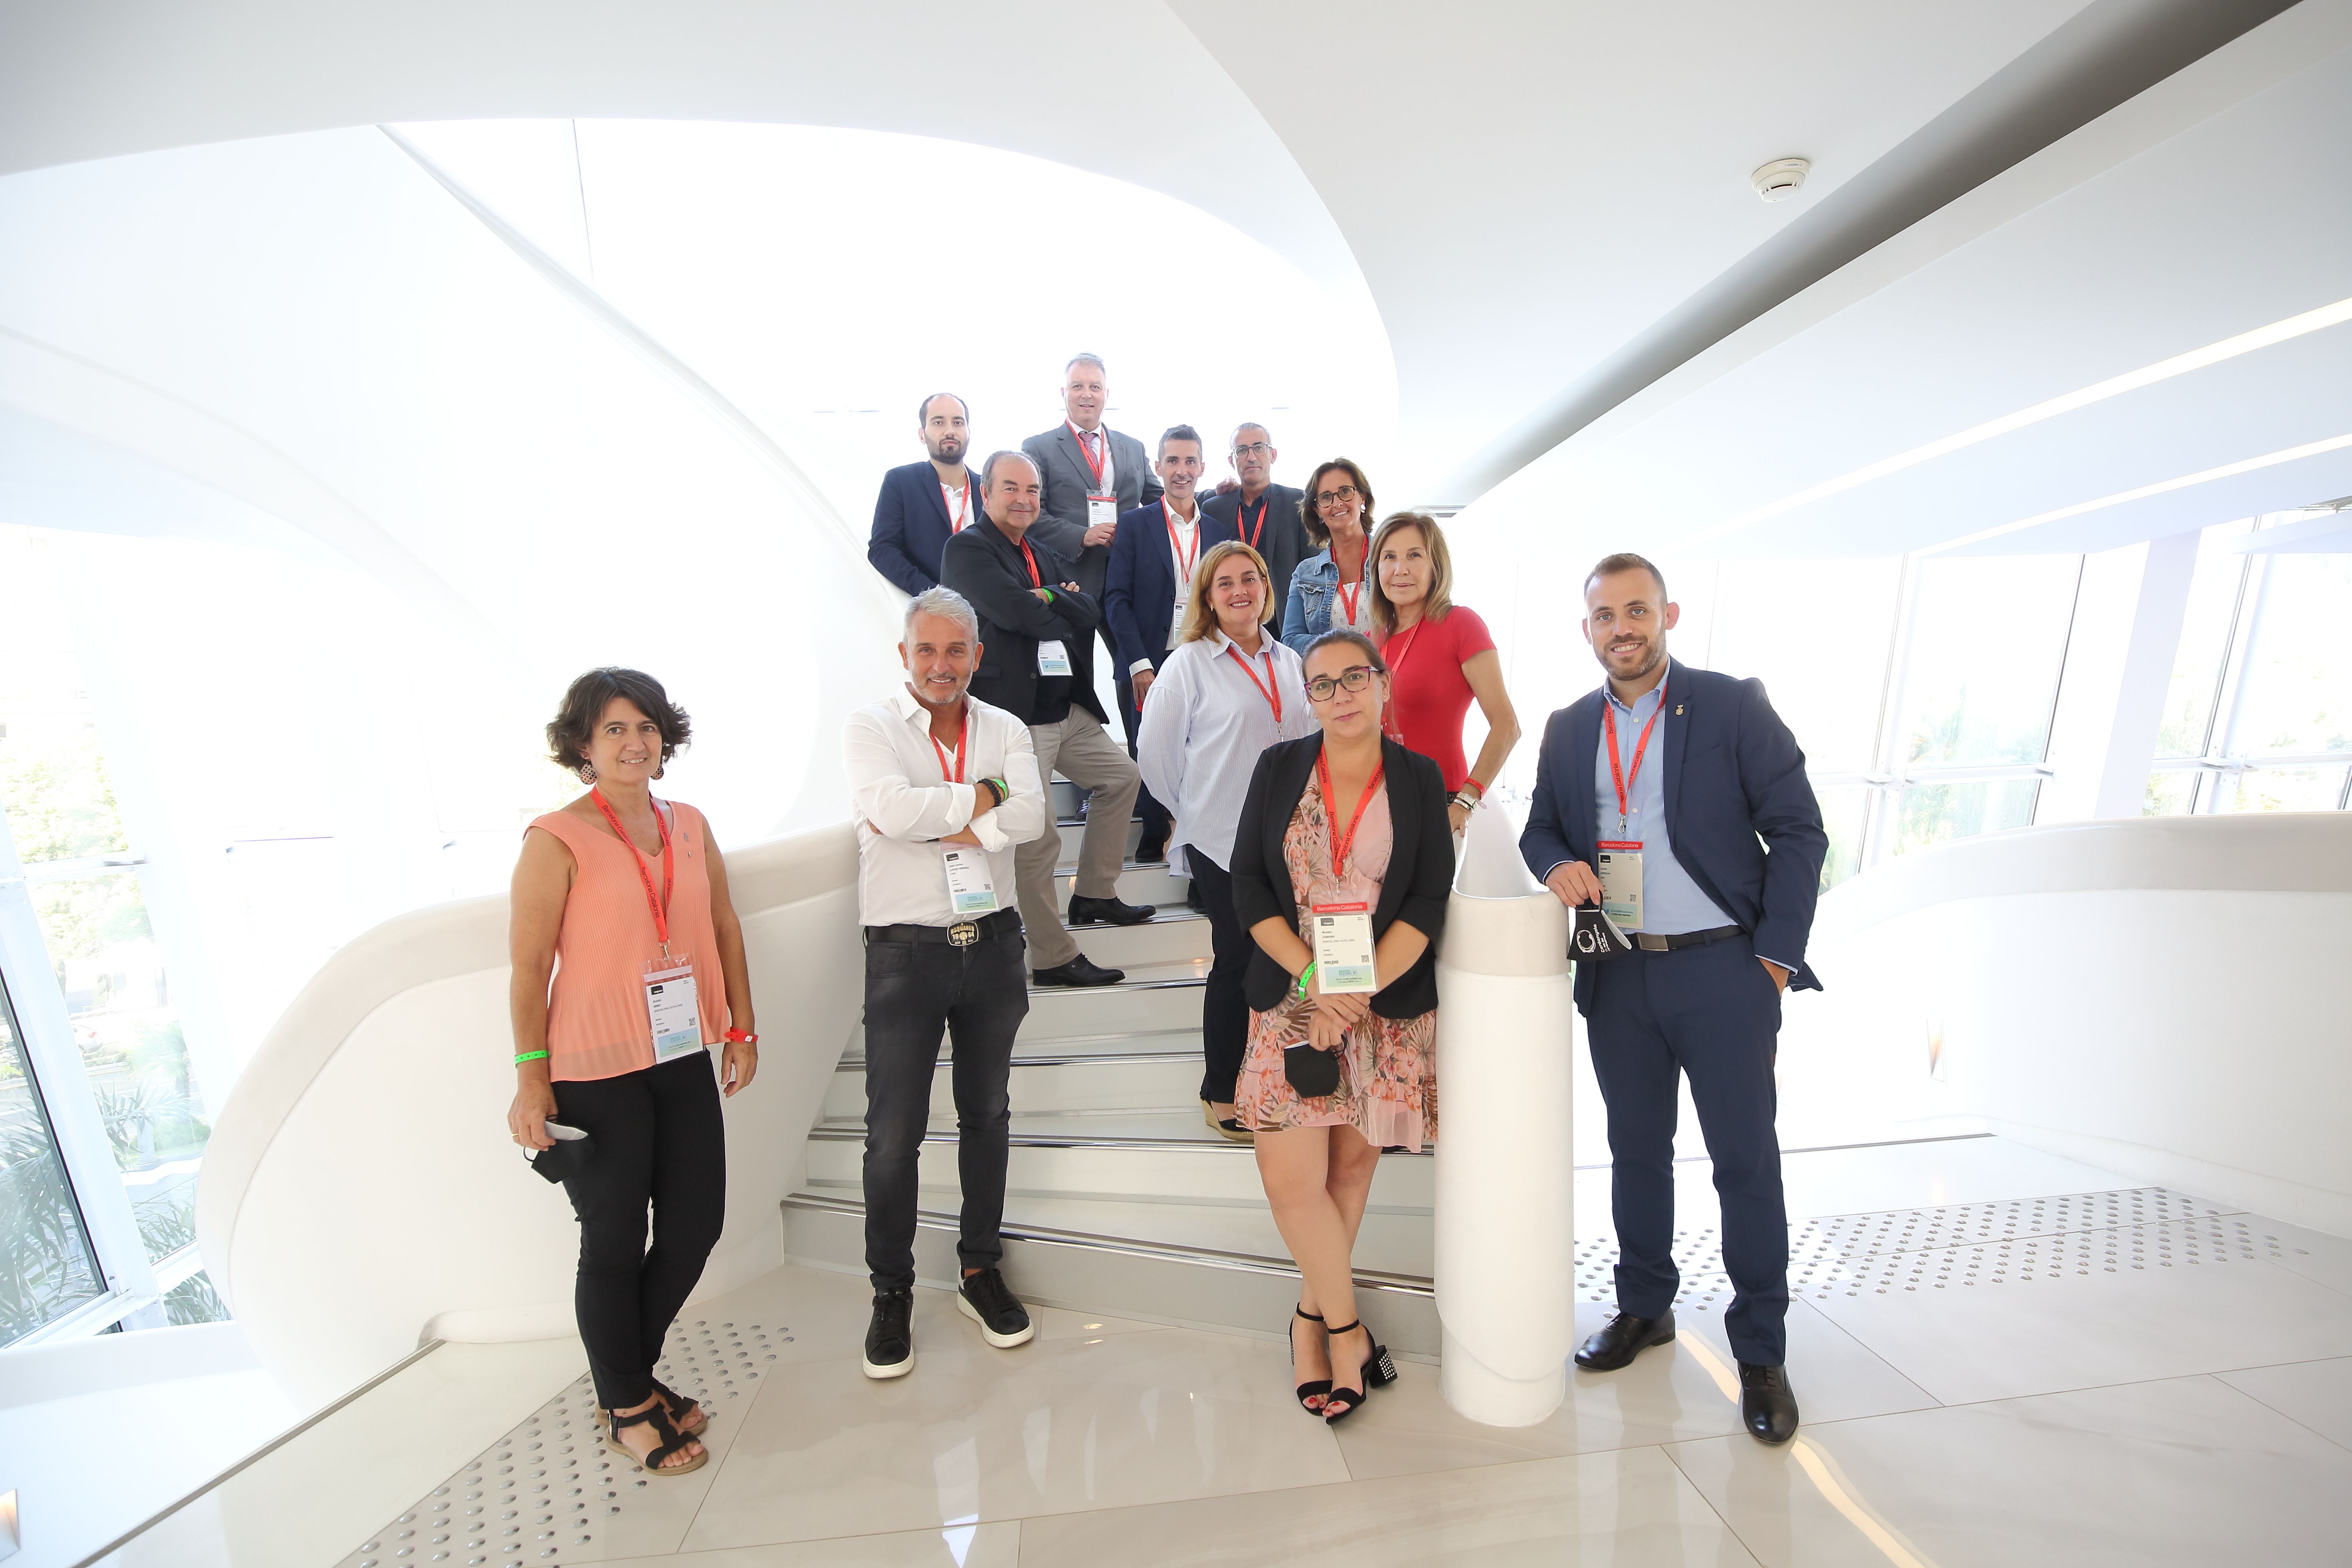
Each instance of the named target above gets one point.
<point>890,1335</point>
<point>1079,971</point>
<point>1151,851</point>
<point>1766,1403</point>
<point>1085,911</point>
<point>1626,1337</point>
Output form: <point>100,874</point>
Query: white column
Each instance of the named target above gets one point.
<point>1506,1243</point>
<point>2119,659</point>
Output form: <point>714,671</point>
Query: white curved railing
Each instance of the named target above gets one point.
<point>2169,998</point>
<point>361,1192</point>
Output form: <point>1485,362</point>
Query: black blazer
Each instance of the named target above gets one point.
<point>1739,807</point>
<point>1282,538</point>
<point>1140,586</point>
<point>1420,876</point>
<point>988,568</point>
<point>911,525</point>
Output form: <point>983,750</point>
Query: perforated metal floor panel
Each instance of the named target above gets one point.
<point>545,1486</point>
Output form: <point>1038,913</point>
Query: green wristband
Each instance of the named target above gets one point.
<point>1299,985</point>
<point>1049,594</point>
<point>528,1057</point>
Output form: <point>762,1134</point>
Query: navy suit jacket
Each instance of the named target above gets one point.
<point>911,525</point>
<point>1733,776</point>
<point>1140,588</point>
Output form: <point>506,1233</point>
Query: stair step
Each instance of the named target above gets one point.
<point>1173,934</point>
<point>1126,1260</point>
<point>1073,833</point>
<point>1053,1082</point>
<point>1153,996</point>
<point>1137,885</point>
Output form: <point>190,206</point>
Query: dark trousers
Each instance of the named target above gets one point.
<point>660,1141</point>
<point>1224,1014</point>
<point>1710,1012</point>
<point>979,995</point>
<point>1155,817</point>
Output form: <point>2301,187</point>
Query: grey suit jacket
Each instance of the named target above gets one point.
<point>1063,522</point>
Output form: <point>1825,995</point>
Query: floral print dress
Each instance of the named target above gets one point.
<point>1388,1067</point>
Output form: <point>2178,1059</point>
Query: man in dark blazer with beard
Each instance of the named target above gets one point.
<point>1676,799</point>
<point>925,504</point>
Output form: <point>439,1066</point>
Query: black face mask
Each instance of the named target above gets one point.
<point>1594,938</point>
<point>568,1158</point>
<point>1313,1073</point>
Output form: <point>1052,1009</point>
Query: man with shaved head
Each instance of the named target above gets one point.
<point>1262,514</point>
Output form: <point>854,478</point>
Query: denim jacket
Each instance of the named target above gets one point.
<point>1307,614</point>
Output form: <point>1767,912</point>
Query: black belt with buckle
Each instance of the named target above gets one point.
<point>962,933</point>
<point>1649,943</point>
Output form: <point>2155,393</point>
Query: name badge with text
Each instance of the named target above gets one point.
<point>1343,948</point>
<point>1053,659</point>
<point>672,1007</point>
<point>971,889</point>
<point>1102,512</point>
<point>1621,882</point>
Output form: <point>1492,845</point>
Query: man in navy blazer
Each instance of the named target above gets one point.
<point>923,505</point>
<point>1676,799</point>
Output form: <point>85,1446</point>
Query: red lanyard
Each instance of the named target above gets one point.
<point>1240,519</point>
<point>963,735</point>
<point>1176,545</point>
<point>660,906</point>
<point>1093,465</point>
<point>1617,775</point>
<point>963,504</point>
<point>1031,556</point>
<point>1348,602</point>
<point>1342,843</point>
<point>1270,689</point>
<point>1396,673</point>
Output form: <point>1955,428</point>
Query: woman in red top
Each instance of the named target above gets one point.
<point>1439,656</point>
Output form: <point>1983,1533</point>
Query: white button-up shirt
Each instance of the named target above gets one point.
<point>1204,726</point>
<point>1183,555</point>
<point>903,804</point>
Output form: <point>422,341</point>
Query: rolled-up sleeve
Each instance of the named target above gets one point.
<point>884,796</point>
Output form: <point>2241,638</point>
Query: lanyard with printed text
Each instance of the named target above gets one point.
<point>1184,562</point>
<point>1094,465</point>
<point>1348,601</point>
<point>1251,533</point>
<point>660,906</point>
<point>1617,775</point>
<point>1342,842</point>
<point>1270,689</point>
<point>1031,556</point>
<point>1396,670</point>
<point>963,503</point>
<point>963,735</point>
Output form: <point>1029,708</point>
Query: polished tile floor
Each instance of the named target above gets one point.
<point>1988,1375</point>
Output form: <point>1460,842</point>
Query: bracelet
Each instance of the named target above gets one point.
<point>741,1038</point>
<point>1299,985</point>
<point>528,1057</point>
<point>996,789</point>
<point>1473,784</point>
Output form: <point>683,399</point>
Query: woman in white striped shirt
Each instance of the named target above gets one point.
<point>1229,690</point>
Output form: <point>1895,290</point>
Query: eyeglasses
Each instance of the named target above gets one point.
<point>1355,677</point>
<point>1255,449</point>
<point>1335,497</point>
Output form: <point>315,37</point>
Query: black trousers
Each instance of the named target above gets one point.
<point>661,1140</point>
<point>1225,1013</point>
<point>1157,817</point>
<point>979,995</point>
<point>1712,1013</point>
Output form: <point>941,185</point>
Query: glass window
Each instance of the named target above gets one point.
<point>2280,789</point>
<point>2196,667</point>
<point>2170,794</point>
<point>1938,812</point>
<point>1987,638</point>
<point>1830,701</point>
<point>2297,696</point>
<point>46,1267</point>
<point>1846,809</point>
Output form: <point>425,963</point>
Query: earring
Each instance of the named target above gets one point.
<point>587,772</point>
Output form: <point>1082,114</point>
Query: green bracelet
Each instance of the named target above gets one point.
<point>1299,985</point>
<point>528,1057</point>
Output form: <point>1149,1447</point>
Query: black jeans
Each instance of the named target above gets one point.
<point>914,990</point>
<point>1225,1013</point>
<point>660,1139</point>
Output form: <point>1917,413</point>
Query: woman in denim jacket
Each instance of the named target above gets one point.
<point>1331,588</point>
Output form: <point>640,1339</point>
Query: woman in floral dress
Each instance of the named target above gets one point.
<point>1343,837</point>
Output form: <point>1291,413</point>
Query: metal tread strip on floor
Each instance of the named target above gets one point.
<point>841,1130</point>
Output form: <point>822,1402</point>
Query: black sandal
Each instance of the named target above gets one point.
<point>672,1443</point>
<point>682,1410</point>
<point>1378,1371</point>
<point>1321,1388</point>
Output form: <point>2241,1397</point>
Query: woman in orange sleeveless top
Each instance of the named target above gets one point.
<point>628,965</point>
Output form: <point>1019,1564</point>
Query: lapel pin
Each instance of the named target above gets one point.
<point>1678,710</point>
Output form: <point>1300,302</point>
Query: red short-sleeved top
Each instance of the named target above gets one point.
<point>1429,696</point>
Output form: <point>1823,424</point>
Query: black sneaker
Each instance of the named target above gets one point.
<point>1003,1320</point>
<point>890,1336</point>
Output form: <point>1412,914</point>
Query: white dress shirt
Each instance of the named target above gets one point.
<point>903,804</point>
<point>958,499</point>
<point>1205,726</point>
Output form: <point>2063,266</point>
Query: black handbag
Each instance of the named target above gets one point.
<point>1313,1073</point>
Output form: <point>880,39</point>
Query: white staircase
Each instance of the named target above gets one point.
<point>1118,1198</point>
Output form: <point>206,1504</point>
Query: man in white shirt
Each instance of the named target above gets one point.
<point>943,786</point>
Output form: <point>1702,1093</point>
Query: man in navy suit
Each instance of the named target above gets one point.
<point>1677,800</point>
<point>1145,590</point>
<point>1264,516</point>
<point>924,505</point>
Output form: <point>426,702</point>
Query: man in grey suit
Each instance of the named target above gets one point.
<point>1092,474</point>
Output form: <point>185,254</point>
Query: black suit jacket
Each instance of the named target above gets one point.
<point>1739,807</point>
<point>911,525</point>
<point>1140,587</point>
<point>1281,540</point>
<point>989,569</point>
<point>1062,464</point>
<point>1420,876</point>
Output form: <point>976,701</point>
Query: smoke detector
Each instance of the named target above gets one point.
<point>1781,178</point>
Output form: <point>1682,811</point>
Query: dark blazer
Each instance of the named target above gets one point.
<point>1139,589</point>
<point>1063,522</point>
<point>1733,775</point>
<point>911,525</point>
<point>1283,540</point>
<point>988,568</point>
<point>1420,876</point>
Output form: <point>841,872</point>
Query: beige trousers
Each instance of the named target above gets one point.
<point>1081,751</point>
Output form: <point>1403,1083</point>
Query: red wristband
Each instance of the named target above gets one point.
<point>738,1037</point>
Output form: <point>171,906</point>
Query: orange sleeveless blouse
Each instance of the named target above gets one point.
<point>596,1021</point>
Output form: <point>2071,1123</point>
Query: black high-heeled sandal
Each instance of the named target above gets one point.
<point>1321,1388</point>
<point>1378,1371</point>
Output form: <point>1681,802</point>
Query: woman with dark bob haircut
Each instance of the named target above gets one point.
<point>628,966</point>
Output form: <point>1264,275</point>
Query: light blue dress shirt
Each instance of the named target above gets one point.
<point>1671,901</point>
